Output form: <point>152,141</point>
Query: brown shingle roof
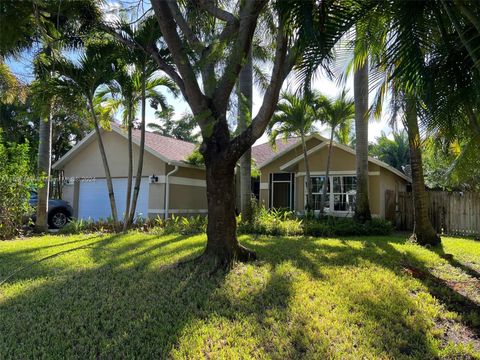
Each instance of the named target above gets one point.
<point>264,152</point>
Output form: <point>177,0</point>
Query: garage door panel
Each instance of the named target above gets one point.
<point>95,204</point>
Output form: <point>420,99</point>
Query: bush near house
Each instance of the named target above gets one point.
<point>15,184</point>
<point>265,222</point>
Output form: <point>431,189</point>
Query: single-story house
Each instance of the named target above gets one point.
<point>283,184</point>
<point>169,184</point>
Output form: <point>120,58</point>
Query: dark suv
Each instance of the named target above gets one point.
<point>59,211</point>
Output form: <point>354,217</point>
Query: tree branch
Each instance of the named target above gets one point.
<point>192,92</point>
<point>283,64</point>
<point>195,43</point>
<point>248,20</point>
<point>209,6</point>
<point>152,50</point>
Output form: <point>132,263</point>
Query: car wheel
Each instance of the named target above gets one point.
<point>58,218</point>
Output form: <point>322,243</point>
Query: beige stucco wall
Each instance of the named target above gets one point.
<point>343,162</point>
<point>87,163</point>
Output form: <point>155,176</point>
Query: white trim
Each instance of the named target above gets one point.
<point>300,157</point>
<point>264,186</point>
<point>340,172</point>
<point>178,211</point>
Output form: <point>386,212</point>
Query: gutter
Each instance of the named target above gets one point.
<point>167,189</point>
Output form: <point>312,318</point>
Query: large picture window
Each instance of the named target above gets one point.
<point>341,192</point>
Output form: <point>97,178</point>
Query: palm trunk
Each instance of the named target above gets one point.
<point>245,81</point>
<point>126,216</point>
<point>138,178</point>
<point>423,231</point>
<point>308,178</point>
<point>360,89</point>
<point>327,173</point>
<point>108,177</point>
<point>44,170</point>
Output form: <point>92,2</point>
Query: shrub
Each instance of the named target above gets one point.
<point>332,226</point>
<point>15,184</point>
<point>271,222</point>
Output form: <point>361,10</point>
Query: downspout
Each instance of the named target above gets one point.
<point>167,189</point>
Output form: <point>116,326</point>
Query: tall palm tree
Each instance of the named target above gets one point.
<point>360,91</point>
<point>333,113</point>
<point>93,69</point>
<point>294,117</point>
<point>126,92</point>
<point>22,23</point>
<point>140,41</point>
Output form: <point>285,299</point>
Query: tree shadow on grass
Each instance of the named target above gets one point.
<point>450,258</point>
<point>136,301</point>
<point>109,311</point>
<point>314,256</point>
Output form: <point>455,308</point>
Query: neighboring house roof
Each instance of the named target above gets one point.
<point>169,150</point>
<point>294,142</point>
<point>264,153</point>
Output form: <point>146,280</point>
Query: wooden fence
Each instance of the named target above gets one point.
<point>454,213</point>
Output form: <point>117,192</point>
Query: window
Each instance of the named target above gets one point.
<point>344,193</point>
<point>317,189</point>
<point>341,192</point>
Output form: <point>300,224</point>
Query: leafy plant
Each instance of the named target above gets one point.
<point>15,184</point>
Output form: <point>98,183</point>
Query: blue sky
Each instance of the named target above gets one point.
<point>22,67</point>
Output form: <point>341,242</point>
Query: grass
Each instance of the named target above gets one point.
<point>121,296</point>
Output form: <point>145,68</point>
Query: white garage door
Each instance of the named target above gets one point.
<point>93,201</point>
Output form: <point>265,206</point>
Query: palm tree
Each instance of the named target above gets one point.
<point>53,25</point>
<point>333,113</point>
<point>182,128</point>
<point>344,133</point>
<point>360,91</point>
<point>93,69</point>
<point>126,92</point>
<point>294,117</point>
<point>140,41</point>
<point>394,152</point>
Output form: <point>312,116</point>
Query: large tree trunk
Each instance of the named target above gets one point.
<point>138,178</point>
<point>126,216</point>
<point>308,178</point>
<point>423,231</point>
<point>44,170</point>
<point>327,173</point>
<point>103,155</point>
<point>360,90</point>
<point>245,81</point>
<point>222,243</point>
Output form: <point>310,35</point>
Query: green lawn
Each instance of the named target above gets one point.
<point>123,297</point>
